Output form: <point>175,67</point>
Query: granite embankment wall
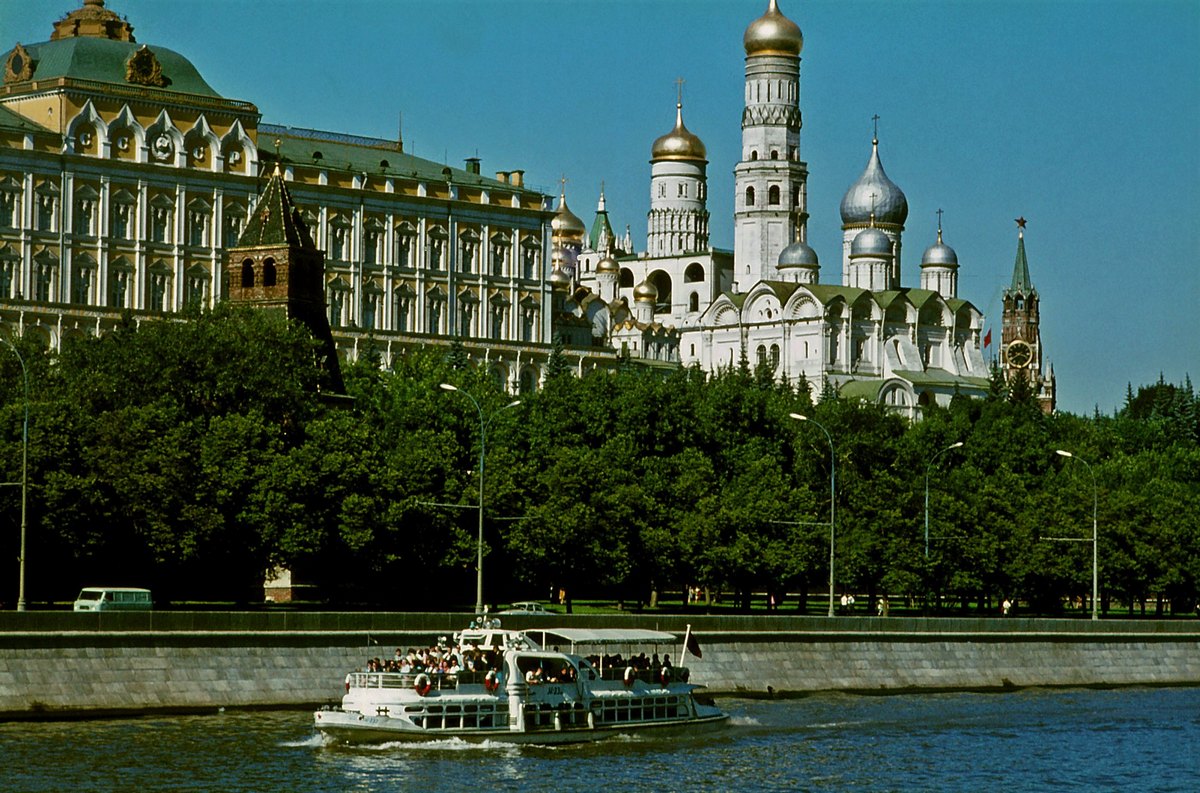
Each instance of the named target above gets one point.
<point>66,665</point>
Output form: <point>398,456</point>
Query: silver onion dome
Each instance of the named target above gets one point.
<point>871,242</point>
<point>798,254</point>
<point>874,192</point>
<point>939,254</point>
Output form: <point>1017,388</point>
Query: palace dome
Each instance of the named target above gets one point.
<point>93,43</point>
<point>773,34</point>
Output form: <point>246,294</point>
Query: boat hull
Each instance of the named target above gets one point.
<point>354,728</point>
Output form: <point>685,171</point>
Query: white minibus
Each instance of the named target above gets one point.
<point>113,598</point>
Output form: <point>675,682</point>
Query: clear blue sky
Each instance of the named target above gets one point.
<point>1083,117</point>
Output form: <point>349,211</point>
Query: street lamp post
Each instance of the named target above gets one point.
<point>1095,533</point>
<point>832,494</point>
<point>24,475</point>
<point>484,423</point>
<point>927,469</point>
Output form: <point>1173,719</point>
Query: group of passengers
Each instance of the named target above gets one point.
<point>547,672</point>
<point>436,660</point>
<point>639,662</point>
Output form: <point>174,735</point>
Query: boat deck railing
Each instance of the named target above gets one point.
<point>437,680</point>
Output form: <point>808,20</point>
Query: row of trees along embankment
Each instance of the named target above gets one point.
<point>192,456</point>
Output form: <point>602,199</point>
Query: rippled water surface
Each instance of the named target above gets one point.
<point>1129,739</point>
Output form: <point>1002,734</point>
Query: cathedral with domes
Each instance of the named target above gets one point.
<point>860,331</point>
<point>129,186</point>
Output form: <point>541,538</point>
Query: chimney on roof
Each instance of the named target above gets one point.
<point>502,176</point>
<point>517,179</point>
<point>473,165</point>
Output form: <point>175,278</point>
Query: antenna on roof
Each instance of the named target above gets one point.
<point>400,130</point>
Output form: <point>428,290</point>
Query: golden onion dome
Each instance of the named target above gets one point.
<point>559,280</point>
<point>679,143</point>
<point>608,265</point>
<point>566,225</point>
<point>645,292</point>
<point>773,34</point>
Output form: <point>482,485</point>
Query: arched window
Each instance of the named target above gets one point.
<point>773,195</point>
<point>774,356</point>
<point>269,272</point>
<point>774,154</point>
<point>753,155</point>
<point>749,196</point>
<point>694,302</point>
<point>247,274</point>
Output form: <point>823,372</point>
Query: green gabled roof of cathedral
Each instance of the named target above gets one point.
<point>860,389</point>
<point>940,377</point>
<point>363,155</point>
<point>275,221</point>
<point>1021,282</point>
<point>103,60</point>
<point>827,292</point>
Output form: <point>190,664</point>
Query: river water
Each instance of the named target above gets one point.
<point>1125,739</point>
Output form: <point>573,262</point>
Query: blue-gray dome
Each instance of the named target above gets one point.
<point>939,254</point>
<point>871,242</point>
<point>888,204</point>
<point>798,254</point>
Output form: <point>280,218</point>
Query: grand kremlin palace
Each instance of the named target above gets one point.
<point>125,179</point>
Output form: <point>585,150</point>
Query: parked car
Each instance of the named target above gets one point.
<point>113,598</point>
<point>527,607</point>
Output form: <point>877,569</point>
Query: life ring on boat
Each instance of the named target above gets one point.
<point>491,681</point>
<point>422,684</point>
<point>664,675</point>
<point>630,676</point>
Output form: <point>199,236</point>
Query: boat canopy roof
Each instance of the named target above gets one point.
<point>599,636</point>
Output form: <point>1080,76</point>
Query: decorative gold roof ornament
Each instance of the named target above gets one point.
<point>18,67</point>
<point>143,68</point>
<point>95,21</point>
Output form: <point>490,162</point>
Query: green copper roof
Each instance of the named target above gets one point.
<point>1021,281</point>
<point>861,389</point>
<point>275,220</point>
<point>362,155</point>
<point>87,58</point>
<point>941,377</point>
<point>599,226</point>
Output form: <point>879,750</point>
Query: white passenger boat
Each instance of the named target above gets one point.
<point>520,692</point>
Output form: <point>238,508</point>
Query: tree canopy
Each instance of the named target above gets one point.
<point>193,457</point>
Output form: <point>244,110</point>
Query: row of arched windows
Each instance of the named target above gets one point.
<point>268,273</point>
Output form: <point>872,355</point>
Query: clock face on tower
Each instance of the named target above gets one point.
<point>1019,354</point>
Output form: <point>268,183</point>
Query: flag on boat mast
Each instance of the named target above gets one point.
<point>690,645</point>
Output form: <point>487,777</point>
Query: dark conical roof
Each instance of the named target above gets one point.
<point>275,220</point>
